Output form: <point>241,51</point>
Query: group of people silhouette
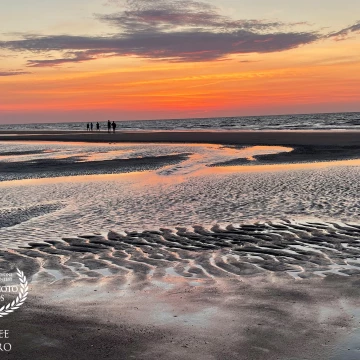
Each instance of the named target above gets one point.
<point>110,125</point>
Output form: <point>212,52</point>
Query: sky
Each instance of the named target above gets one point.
<point>92,60</point>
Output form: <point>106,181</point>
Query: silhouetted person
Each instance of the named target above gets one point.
<point>87,127</point>
<point>97,126</point>
<point>109,126</point>
<point>113,126</point>
<point>91,126</point>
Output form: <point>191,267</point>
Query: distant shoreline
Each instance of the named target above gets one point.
<point>243,137</point>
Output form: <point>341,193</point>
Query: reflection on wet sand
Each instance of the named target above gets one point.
<point>277,167</point>
<point>37,160</point>
<point>177,176</point>
<point>182,190</point>
<point>140,261</point>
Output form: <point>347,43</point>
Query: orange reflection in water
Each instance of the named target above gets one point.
<point>192,167</point>
<point>73,179</point>
<point>152,178</point>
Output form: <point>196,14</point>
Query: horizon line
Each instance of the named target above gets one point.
<point>189,118</point>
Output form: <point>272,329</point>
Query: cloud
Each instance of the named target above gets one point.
<point>173,46</point>
<point>13,73</point>
<point>70,57</point>
<point>248,61</point>
<point>166,15</point>
<point>345,33</point>
<point>172,30</point>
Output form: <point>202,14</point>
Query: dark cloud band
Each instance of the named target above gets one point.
<point>13,73</point>
<point>173,30</point>
<point>345,33</point>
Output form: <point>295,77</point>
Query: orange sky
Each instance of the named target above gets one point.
<point>323,76</point>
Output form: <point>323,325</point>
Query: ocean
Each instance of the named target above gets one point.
<point>330,121</point>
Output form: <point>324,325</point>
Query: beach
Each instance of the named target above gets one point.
<point>179,180</point>
<point>183,244</point>
<point>244,137</point>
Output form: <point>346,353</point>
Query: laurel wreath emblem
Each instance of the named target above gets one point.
<point>20,299</point>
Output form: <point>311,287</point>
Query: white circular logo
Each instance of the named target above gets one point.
<point>20,299</point>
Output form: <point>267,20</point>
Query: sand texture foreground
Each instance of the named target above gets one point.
<point>157,251</point>
<point>216,137</point>
<point>208,294</point>
<point>237,319</point>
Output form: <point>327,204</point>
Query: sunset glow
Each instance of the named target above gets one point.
<point>203,60</point>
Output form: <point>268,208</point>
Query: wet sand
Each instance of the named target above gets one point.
<point>283,289</point>
<point>338,137</point>
<point>72,166</point>
<point>237,319</point>
<point>48,159</point>
<point>263,291</point>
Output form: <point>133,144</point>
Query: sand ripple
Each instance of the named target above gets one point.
<point>300,250</point>
<point>13,216</point>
